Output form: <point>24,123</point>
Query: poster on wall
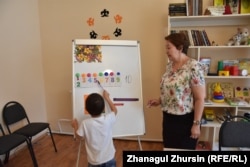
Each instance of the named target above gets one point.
<point>113,65</point>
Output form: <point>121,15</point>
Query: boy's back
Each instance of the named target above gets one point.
<point>97,130</point>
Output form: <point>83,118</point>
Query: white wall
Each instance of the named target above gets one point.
<point>20,57</point>
<point>35,51</point>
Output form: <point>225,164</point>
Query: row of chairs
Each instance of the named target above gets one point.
<point>13,112</point>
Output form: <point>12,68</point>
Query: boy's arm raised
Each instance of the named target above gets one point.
<point>110,103</point>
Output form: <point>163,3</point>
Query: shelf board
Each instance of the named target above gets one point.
<point>224,104</point>
<point>208,20</point>
<point>212,124</point>
<point>220,47</point>
<point>228,77</point>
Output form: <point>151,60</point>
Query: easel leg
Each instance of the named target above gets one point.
<point>79,153</point>
<point>139,142</point>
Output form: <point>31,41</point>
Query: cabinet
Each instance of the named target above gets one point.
<point>219,29</point>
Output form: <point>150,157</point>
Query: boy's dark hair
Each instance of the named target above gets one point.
<point>95,104</point>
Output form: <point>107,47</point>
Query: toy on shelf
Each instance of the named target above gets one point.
<point>241,38</point>
<point>218,96</point>
<point>227,8</point>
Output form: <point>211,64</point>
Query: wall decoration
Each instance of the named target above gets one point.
<point>93,34</point>
<point>104,14</point>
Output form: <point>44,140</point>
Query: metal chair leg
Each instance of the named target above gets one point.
<point>32,153</point>
<point>52,138</point>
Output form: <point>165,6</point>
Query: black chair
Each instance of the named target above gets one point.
<point>235,132</point>
<point>11,141</point>
<point>14,112</point>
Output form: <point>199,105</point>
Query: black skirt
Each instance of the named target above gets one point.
<point>177,131</point>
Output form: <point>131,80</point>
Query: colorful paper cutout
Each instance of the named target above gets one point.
<point>88,53</point>
<point>105,13</point>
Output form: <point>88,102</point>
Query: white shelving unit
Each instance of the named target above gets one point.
<point>219,29</point>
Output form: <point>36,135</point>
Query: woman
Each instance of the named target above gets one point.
<point>182,95</point>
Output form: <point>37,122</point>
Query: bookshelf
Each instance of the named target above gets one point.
<point>219,29</point>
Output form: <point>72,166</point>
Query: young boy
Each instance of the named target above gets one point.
<point>97,131</point>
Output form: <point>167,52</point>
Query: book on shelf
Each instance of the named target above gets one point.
<point>194,7</point>
<point>177,9</point>
<point>195,37</point>
<point>236,101</point>
<point>200,38</point>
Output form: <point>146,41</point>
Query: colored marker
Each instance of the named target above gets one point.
<point>125,99</point>
<point>100,84</point>
<point>118,104</point>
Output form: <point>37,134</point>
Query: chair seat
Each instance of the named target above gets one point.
<point>32,129</point>
<point>9,142</point>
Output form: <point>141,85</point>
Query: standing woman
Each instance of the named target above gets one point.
<point>182,95</point>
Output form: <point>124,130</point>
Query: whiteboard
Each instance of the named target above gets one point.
<point>116,65</point>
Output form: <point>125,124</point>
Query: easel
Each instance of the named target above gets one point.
<point>80,147</point>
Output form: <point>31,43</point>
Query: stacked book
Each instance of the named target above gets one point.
<point>177,9</point>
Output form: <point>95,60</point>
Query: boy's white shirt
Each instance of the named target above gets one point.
<point>97,133</point>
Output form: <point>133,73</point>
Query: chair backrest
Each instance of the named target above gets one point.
<point>235,132</point>
<point>2,130</point>
<point>13,112</point>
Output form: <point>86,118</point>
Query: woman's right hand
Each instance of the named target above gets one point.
<point>153,102</point>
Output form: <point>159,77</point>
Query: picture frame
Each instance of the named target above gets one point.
<point>235,6</point>
<point>244,6</point>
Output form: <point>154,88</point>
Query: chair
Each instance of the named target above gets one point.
<point>14,112</point>
<point>11,141</point>
<point>235,132</point>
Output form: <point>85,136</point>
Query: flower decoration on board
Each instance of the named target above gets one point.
<point>88,53</point>
<point>104,14</point>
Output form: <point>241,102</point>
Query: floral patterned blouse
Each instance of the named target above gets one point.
<point>176,94</point>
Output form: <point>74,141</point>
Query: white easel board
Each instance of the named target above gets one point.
<point>116,65</point>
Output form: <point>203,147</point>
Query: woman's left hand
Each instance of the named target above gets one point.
<point>195,131</point>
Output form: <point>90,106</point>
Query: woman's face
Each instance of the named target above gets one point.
<point>172,51</point>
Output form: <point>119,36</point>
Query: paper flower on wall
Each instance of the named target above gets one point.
<point>93,34</point>
<point>105,13</point>
<point>91,21</point>
<point>118,32</point>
